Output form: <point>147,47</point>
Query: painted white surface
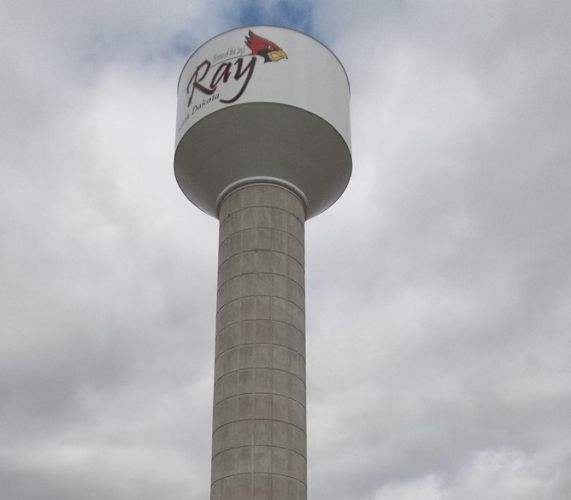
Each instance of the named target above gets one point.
<point>311,78</point>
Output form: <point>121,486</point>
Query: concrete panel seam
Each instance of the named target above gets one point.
<point>250,183</point>
<point>259,446</point>
<point>272,207</point>
<point>255,228</point>
<point>261,474</point>
<point>259,368</point>
<point>263,250</point>
<point>249,273</point>
<point>259,319</point>
<point>261,273</point>
<point>230,302</point>
<point>259,393</point>
<point>238,346</point>
<point>301,429</point>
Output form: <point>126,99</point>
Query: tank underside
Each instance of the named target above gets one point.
<point>261,141</point>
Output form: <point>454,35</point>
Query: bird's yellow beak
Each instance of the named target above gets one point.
<point>276,55</point>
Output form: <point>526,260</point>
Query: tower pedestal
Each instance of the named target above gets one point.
<point>259,424</point>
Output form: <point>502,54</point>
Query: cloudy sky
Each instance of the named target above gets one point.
<point>438,287</point>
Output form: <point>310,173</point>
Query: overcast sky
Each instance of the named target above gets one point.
<point>438,286</point>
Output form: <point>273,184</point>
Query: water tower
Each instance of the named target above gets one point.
<point>263,144</point>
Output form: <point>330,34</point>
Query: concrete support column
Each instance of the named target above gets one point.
<point>259,428</point>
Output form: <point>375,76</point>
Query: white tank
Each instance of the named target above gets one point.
<point>263,104</point>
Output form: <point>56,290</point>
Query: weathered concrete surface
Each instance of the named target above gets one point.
<point>259,429</point>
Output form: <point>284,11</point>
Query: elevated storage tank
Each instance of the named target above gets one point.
<point>262,143</point>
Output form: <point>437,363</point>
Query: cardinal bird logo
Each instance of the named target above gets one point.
<point>233,67</point>
<point>264,48</point>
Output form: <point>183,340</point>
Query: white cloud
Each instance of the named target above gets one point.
<point>491,475</point>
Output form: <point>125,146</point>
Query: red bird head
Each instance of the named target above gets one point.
<point>263,47</point>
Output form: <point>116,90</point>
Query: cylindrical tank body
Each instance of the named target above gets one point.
<point>259,431</point>
<point>263,103</point>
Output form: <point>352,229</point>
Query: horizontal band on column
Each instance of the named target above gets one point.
<point>259,319</point>
<point>226,304</point>
<point>247,207</point>
<point>262,273</point>
<point>254,228</point>
<point>256,474</point>
<point>281,370</point>
<point>259,180</point>
<point>262,380</point>
<point>260,307</point>
<point>261,250</point>
<point>238,346</point>
<point>301,429</point>
<point>259,446</point>
<point>258,393</point>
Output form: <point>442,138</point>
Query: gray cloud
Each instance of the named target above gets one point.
<point>446,328</point>
<point>105,349</point>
